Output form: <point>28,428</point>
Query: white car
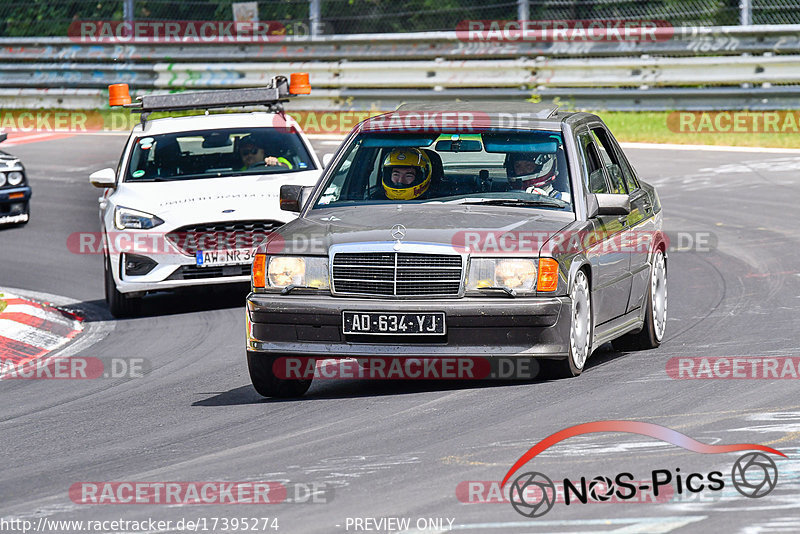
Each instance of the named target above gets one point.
<point>192,197</point>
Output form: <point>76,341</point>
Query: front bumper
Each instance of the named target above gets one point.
<point>476,326</point>
<point>14,203</point>
<point>171,267</point>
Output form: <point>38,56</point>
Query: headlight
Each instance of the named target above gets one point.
<point>518,274</point>
<point>139,220</point>
<point>15,178</point>
<point>309,271</point>
<point>2,179</point>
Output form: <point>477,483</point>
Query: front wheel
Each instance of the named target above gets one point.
<point>580,331</point>
<point>655,317</point>
<point>119,304</point>
<point>267,383</point>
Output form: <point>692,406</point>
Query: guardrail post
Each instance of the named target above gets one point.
<point>314,17</point>
<point>523,10</point>
<point>746,12</point>
<point>127,10</point>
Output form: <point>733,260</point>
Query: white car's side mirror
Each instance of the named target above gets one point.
<point>326,160</point>
<point>104,178</point>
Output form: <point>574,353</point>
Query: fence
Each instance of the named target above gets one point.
<point>694,68</point>
<point>336,17</point>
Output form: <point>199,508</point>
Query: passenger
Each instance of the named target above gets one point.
<point>533,173</point>
<point>252,154</point>
<point>406,174</point>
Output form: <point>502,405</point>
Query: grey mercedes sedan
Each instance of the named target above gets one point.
<point>462,230</point>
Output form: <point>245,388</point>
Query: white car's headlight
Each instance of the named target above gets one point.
<point>2,179</point>
<point>518,274</point>
<point>135,219</point>
<point>283,271</point>
<point>15,178</point>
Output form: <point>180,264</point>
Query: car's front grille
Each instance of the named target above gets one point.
<point>221,236</point>
<point>396,274</point>
<point>193,272</point>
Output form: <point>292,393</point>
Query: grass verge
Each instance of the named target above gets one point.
<point>627,126</point>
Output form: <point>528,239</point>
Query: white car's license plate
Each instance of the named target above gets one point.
<point>210,258</point>
<point>430,323</point>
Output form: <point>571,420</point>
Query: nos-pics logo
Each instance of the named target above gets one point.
<point>533,494</point>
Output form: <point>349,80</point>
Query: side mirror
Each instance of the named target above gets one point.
<point>326,160</point>
<point>104,178</point>
<point>293,197</point>
<point>612,204</point>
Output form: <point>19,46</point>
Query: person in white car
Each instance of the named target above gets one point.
<point>252,154</point>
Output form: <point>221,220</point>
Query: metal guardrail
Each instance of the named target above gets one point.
<point>702,68</point>
<point>528,72</point>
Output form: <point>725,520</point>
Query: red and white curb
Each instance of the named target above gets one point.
<point>23,138</point>
<point>30,330</point>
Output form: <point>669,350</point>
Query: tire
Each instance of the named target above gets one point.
<point>655,317</point>
<point>119,304</point>
<point>267,384</point>
<point>581,330</point>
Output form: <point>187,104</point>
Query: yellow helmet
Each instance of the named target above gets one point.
<point>407,157</point>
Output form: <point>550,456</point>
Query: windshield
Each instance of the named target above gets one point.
<point>215,153</point>
<point>507,168</point>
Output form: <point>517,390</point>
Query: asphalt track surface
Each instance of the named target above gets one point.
<point>400,449</point>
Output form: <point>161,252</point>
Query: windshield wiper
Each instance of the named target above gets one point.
<point>507,290</point>
<point>515,202</point>
<point>288,289</point>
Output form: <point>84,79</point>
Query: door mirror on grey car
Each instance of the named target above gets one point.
<point>612,204</point>
<point>292,197</point>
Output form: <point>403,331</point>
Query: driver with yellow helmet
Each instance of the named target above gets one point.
<point>406,174</point>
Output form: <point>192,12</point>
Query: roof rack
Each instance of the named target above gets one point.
<point>272,96</point>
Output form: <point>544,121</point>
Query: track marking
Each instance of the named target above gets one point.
<point>632,525</point>
<point>711,148</point>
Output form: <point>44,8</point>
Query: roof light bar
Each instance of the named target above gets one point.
<point>272,96</point>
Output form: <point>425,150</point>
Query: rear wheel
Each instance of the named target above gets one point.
<point>655,317</point>
<point>580,332</point>
<point>119,304</point>
<point>267,383</point>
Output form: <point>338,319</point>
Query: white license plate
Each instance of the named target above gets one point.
<point>210,258</point>
<point>419,324</point>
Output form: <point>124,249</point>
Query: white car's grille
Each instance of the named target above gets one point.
<point>221,236</point>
